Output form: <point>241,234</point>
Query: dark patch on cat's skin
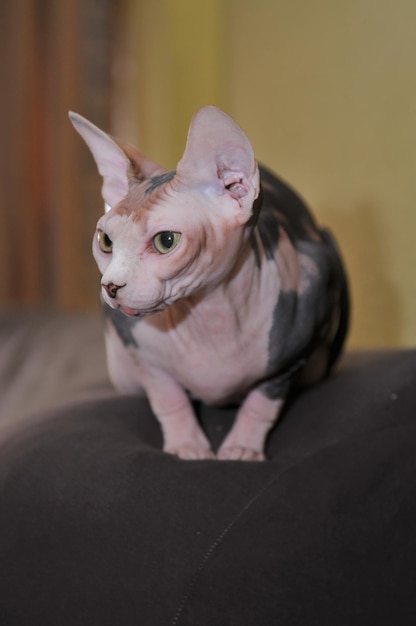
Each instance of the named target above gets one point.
<point>279,387</point>
<point>257,205</point>
<point>298,317</point>
<point>279,206</point>
<point>268,228</point>
<point>282,207</point>
<point>287,338</point>
<point>255,247</point>
<point>123,325</point>
<point>157,181</point>
<point>290,343</point>
<point>340,278</point>
<point>251,224</point>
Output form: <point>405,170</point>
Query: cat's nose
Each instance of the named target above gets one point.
<point>112,289</point>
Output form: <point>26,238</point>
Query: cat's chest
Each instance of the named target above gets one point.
<point>217,356</point>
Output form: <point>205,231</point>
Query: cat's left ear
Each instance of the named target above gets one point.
<point>219,155</point>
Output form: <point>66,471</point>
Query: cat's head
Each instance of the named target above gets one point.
<point>170,235</point>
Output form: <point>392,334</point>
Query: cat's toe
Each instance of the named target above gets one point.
<point>240,453</point>
<point>192,453</point>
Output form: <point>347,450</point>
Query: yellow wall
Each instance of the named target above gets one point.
<point>326,92</point>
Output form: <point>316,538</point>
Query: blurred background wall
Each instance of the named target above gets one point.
<point>326,91</point>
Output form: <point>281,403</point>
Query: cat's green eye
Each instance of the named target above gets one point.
<point>104,242</point>
<point>166,241</point>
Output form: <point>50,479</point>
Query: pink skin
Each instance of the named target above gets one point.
<point>203,330</point>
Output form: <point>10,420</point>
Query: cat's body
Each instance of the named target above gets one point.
<point>230,288</point>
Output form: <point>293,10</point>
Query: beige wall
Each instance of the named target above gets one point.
<point>326,92</point>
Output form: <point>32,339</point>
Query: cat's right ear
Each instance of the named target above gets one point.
<point>117,163</point>
<point>111,161</point>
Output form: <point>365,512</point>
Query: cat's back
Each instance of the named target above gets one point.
<point>285,220</point>
<point>281,206</point>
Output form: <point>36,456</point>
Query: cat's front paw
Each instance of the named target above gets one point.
<point>191,452</point>
<point>240,453</point>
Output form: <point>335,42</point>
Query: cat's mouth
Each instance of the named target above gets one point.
<point>130,312</point>
<point>140,312</point>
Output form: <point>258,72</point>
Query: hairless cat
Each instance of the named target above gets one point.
<point>217,282</point>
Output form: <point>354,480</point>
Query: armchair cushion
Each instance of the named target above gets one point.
<point>98,526</point>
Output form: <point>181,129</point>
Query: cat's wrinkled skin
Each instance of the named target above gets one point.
<point>217,283</point>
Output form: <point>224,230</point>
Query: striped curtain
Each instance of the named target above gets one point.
<point>55,55</point>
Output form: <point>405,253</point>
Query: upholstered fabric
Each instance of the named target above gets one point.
<point>99,527</point>
<point>47,358</point>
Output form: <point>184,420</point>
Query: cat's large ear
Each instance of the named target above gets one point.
<point>116,162</point>
<point>218,154</point>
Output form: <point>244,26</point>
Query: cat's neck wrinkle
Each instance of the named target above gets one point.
<point>233,294</point>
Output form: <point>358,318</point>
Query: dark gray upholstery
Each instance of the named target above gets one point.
<point>99,527</point>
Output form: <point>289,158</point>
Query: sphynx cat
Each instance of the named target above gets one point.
<point>217,282</point>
